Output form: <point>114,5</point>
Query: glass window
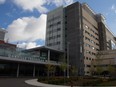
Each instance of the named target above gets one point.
<point>113,45</point>
<point>86,26</point>
<point>58,29</point>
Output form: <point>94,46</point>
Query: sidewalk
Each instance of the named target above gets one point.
<point>34,82</point>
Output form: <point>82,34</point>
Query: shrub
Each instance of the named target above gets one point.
<point>72,81</point>
<point>40,79</point>
<point>92,82</point>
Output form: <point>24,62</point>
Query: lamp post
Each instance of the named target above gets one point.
<point>68,43</point>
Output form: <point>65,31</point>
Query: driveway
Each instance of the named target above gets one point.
<point>14,82</point>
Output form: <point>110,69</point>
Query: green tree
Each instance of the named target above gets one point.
<point>111,69</point>
<point>50,69</point>
<point>73,70</point>
<point>99,68</point>
<point>63,67</point>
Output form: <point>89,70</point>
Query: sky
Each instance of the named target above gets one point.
<point>25,20</point>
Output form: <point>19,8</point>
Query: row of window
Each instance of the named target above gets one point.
<point>94,65</point>
<point>86,38</point>
<point>90,23</point>
<point>92,47</point>
<point>53,44</point>
<point>86,32</point>
<point>87,58</point>
<point>55,30</point>
<point>87,72</point>
<point>51,25</point>
<point>88,65</point>
<point>91,30</point>
<point>54,37</point>
<point>54,18</point>
<point>89,52</point>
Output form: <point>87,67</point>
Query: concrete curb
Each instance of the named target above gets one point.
<point>34,82</point>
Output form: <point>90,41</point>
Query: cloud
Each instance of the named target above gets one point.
<point>28,45</point>
<point>9,14</point>
<point>31,5</point>
<point>2,1</point>
<point>27,29</point>
<point>60,2</point>
<point>40,5</point>
<point>113,8</point>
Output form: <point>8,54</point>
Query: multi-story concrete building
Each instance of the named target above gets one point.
<point>80,32</point>
<point>107,39</point>
<point>107,58</point>
<point>55,29</point>
<point>105,63</point>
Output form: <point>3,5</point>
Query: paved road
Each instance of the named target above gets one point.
<point>14,82</point>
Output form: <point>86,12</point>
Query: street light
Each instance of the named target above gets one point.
<point>68,43</point>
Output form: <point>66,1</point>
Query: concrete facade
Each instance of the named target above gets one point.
<point>84,34</point>
<point>55,29</point>
<point>108,57</point>
<point>74,36</point>
<point>91,38</point>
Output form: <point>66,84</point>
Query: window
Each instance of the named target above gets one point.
<point>58,29</point>
<point>97,44</point>
<point>58,36</point>
<point>112,44</point>
<point>87,51</point>
<point>50,26</point>
<point>86,38</point>
<point>50,44</point>
<point>58,43</point>
<point>88,65</point>
<point>93,53</point>
<point>93,48</point>
<point>86,44</point>
<point>50,32</point>
<point>91,41</point>
<point>86,58</point>
<point>59,22</point>
<point>86,26</point>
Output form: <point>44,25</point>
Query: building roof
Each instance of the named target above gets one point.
<point>93,12</point>
<point>45,48</point>
<point>3,30</point>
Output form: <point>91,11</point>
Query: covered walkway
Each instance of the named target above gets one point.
<point>27,62</point>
